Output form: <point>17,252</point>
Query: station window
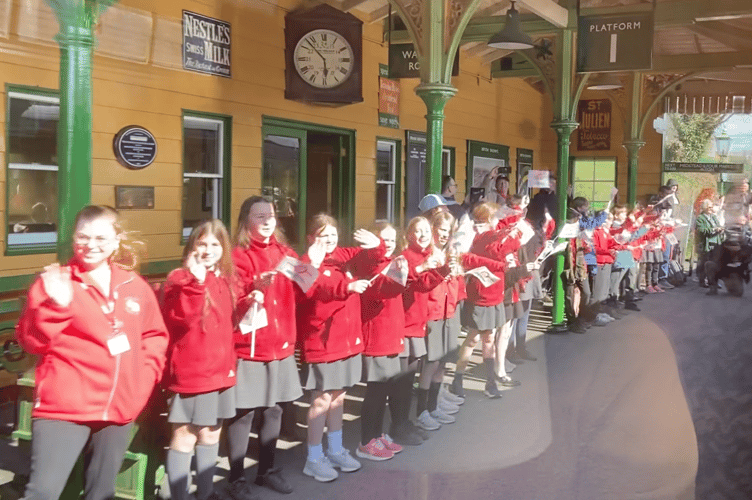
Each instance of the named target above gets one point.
<point>593,178</point>
<point>205,169</point>
<point>387,180</point>
<point>32,170</point>
<point>447,161</point>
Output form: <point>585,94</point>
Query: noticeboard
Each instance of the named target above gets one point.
<point>615,43</point>
<point>415,171</point>
<point>712,168</point>
<point>485,162</point>
<point>403,61</point>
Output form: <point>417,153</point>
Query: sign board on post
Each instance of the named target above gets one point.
<point>615,43</point>
<point>713,168</point>
<point>206,44</point>
<point>524,165</point>
<point>389,94</point>
<point>594,132</point>
<point>415,171</point>
<point>403,61</point>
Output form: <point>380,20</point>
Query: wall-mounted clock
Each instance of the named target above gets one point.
<point>323,52</point>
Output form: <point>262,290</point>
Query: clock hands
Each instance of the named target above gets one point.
<point>326,70</point>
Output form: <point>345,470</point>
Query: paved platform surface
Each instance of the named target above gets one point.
<point>617,413</point>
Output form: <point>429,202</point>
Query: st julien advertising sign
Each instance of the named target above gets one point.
<point>206,44</point>
<point>594,132</point>
<point>614,43</point>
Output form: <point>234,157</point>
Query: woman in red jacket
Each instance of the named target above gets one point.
<point>330,337</point>
<point>197,307</point>
<point>96,327</point>
<point>484,306</point>
<point>383,338</point>
<point>267,373</point>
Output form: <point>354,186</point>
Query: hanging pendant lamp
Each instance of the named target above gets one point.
<point>604,81</point>
<point>511,37</point>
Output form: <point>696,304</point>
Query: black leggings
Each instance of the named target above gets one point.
<point>238,435</point>
<point>374,406</point>
<point>55,448</point>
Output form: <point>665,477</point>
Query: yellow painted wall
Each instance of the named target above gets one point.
<point>138,79</point>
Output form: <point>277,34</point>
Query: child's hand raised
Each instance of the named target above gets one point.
<point>197,269</point>
<point>366,239</point>
<point>317,252</point>
<point>358,286</point>
<point>257,296</point>
<point>57,284</point>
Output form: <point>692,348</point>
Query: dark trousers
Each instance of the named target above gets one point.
<point>702,258</point>
<point>734,282</point>
<point>55,448</point>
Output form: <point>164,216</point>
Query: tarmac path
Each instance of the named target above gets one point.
<point>657,405</point>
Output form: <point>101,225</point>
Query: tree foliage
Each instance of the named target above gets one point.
<point>690,136</point>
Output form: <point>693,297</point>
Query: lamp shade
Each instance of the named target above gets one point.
<point>605,81</point>
<point>511,37</point>
<point>723,145</point>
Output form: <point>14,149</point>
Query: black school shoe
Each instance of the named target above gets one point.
<point>631,306</point>
<point>405,436</point>
<point>242,490</point>
<point>274,480</point>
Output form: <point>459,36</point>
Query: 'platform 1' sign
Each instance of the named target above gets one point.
<point>615,43</point>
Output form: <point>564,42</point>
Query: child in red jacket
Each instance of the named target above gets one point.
<point>484,306</point>
<point>442,330</point>
<point>267,372</point>
<point>425,272</point>
<point>96,327</point>
<point>383,338</point>
<point>197,306</point>
<point>330,339</point>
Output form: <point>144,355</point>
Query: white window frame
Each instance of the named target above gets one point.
<point>390,208</point>
<point>217,125</point>
<point>18,241</point>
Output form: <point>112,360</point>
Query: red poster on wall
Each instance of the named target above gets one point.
<point>594,132</point>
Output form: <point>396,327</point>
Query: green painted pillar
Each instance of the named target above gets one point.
<point>633,154</point>
<point>564,131</point>
<point>76,38</point>
<point>435,96</point>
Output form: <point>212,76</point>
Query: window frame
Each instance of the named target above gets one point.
<point>573,172</point>
<point>42,95</point>
<point>222,195</point>
<point>396,183</point>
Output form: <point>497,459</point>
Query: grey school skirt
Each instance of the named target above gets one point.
<point>441,338</point>
<point>380,368</point>
<point>513,311</point>
<point>203,410</point>
<point>332,376</point>
<point>415,347</point>
<point>483,317</point>
<point>264,384</point>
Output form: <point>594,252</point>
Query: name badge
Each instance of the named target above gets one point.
<point>118,344</point>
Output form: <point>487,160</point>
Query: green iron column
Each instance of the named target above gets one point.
<point>633,154</point>
<point>634,143</point>
<point>435,96</point>
<point>564,124</point>
<point>76,38</point>
<point>564,131</point>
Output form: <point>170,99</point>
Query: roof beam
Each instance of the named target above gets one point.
<point>548,10</point>
<point>349,5</point>
<point>729,36</point>
<point>477,49</point>
<point>382,13</point>
<point>496,54</point>
<point>701,62</point>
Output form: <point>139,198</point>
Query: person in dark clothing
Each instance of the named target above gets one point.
<point>730,262</point>
<point>448,192</point>
<point>544,200</point>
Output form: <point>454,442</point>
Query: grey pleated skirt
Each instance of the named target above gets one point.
<point>415,347</point>
<point>513,311</point>
<point>203,410</point>
<point>483,317</point>
<point>441,338</point>
<point>263,384</point>
<point>332,376</point>
<point>380,368</point>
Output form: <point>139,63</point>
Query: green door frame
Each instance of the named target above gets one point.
<point>299,129</point>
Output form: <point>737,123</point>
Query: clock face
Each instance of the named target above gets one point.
<point>323,59</point>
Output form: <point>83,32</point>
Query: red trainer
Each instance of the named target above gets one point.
<point>374,450</point>
<point>389,444</point>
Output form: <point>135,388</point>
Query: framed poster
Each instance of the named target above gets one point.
<point>485,163</point>
<point>134,197</point>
